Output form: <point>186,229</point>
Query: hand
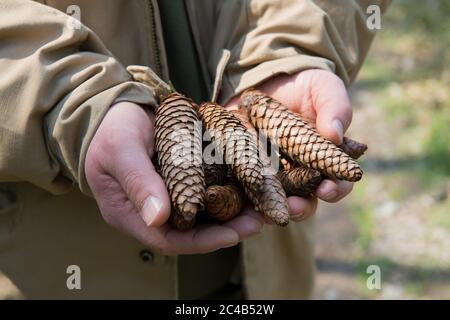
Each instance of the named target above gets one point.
<point>133,198</point>
<point>321,97</point>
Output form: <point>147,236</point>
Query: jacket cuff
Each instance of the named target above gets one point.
<point>71,153</point>
<point>234,83</point>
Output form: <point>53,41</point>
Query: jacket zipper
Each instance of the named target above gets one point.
<point>154,39</point>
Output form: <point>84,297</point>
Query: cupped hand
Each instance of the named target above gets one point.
<point>132,197</point>
<point>321,97</point>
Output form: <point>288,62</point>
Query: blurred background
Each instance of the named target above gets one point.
<point>398,216</point>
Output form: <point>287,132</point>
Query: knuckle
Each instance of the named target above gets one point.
<point>132,181</point>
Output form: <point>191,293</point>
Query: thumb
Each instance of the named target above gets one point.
<point>333,108</point>
<point>144,187</point>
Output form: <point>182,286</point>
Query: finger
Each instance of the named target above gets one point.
<point>267,220</point>
<point>123,152</point>
<point>333,107</point>
<point>208,238</point>
<point>233,103</point>
<point>247,224</point>
<point>168,241</point>
<point>333,190</point>
<point>134,171</point>
<point>201,239</point>
<point>249,209</point>
<point>301,208</point>
<point>122,215</point>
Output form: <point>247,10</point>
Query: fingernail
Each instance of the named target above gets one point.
<point>150,209</point>
<point>330,195</point>
<point>339,128</point>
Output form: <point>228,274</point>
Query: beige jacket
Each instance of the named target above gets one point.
<point>57,80</point>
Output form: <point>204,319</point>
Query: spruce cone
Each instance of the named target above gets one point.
<point>179,149</point>
<point>300,181</point>
<point>297,139</point>
<point>286,164</point>
<point>223,203</point>
<point>242,115</point>
<point>179,222</point>
<point>353,148</point>
<point>215,174</point>
<point>271,201</point>
<point>236,144</point>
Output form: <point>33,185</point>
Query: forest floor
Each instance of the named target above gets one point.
<point>398,216</point>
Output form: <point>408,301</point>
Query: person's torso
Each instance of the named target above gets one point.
<point>133,32</point>
<point>165,36</point>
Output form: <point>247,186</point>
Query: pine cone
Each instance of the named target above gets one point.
<point>286,164</point>
<point>242,115</point>
<point>235,143</point>
<point>300,181</point>
<point>271,201</point>
<point>223,203</point>
<point>353,148</point>
<point>297,139</point>
<point>215,174</point>
<point>179,149</point>
<point>179,222</point>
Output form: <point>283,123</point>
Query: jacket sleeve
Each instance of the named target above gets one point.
<point>57,81</point>
<point>270,37</point>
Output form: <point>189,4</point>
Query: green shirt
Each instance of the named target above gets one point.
<point>184,67</point>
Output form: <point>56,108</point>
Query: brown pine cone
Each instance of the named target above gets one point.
<point>271,201</point>
<point>179,148</point>
<point>242,115</point>
<point>353,148</point>
<point>215,174</point>
<point>235,143</point>
<point>297,139</point>
<point>179,222</point>
<point>223,203</point>
<point>300,181</point>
